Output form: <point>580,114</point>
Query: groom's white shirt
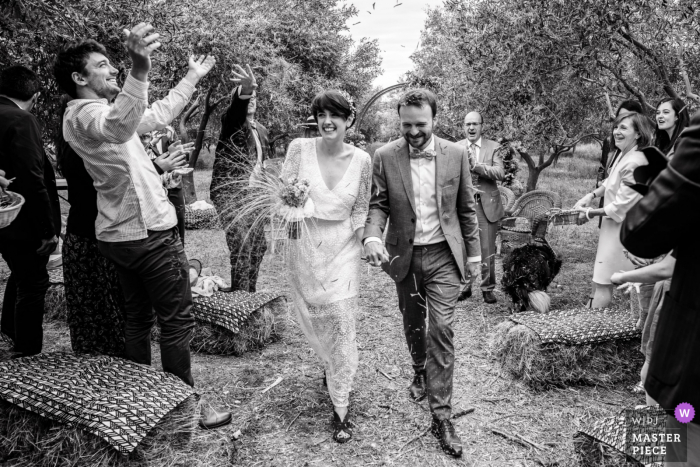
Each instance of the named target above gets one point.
<point>423,177</point>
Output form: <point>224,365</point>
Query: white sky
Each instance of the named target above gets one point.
<point>397,29</point>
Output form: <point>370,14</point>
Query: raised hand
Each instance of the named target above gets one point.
<point>140,45</point>
<point>175,157</point>
<point>199,67</point>
<point>246,79</point>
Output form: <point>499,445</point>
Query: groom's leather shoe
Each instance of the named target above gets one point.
<point>417,389</point>
<point>489,297</point>
<point>465,294</point>
<point>212,419</point>
<point>444,431</point>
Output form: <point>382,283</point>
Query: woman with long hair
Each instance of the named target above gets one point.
<point>630,132</point>
<point>325,262</point>
<point>671,119</point>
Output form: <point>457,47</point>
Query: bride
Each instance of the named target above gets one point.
<point>325,262</point>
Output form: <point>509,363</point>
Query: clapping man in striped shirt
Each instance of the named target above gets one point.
<point>136,224</point>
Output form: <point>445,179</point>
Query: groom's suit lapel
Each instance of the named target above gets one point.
<point>404,163</point>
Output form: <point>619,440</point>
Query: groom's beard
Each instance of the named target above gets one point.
<point>417,141</point>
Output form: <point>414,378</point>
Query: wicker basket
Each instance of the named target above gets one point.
<point>9,214</point>
<point>568,217</point>
<point>534,203</point>
<point>507,198</point>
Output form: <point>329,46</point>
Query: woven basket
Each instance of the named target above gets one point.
<point>9,214</point>
<point>568,217</point>
<point>201,218</point>
<point>507,198</point>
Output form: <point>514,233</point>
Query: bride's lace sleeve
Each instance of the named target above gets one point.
<point>290,168</point>
<point>360,209</point>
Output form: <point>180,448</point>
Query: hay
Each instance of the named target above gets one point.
<point>589,452</point>
<point>520,352</point>
<point>264,326</point>
<point>27,439</point>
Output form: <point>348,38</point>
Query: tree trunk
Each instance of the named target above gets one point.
<point>188,180</point>
<point>533,174</point>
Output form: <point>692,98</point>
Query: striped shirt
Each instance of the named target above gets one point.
<point>131,199</point>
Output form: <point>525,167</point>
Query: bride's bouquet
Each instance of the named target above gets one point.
<point>295,205</point>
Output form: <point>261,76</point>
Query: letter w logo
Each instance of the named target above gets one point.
<point>685,413</point>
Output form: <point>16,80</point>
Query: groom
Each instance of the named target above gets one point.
<point>422,185</point>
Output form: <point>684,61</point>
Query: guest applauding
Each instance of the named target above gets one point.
<point>27,242</point>
<point>671,119</point>
<point>630,132</point>
<point>136,225</point>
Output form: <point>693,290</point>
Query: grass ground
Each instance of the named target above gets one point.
<point>290,424</point>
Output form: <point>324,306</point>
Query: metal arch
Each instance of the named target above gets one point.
<point>374,98</point>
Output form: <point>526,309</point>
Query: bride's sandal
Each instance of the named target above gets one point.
<point>342,433</point>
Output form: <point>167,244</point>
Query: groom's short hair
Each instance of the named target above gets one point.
<point>418,98</point>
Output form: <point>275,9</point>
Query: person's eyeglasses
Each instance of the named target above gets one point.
<point>472,124</point>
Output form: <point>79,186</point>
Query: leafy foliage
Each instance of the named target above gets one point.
<point>539,71</point>
<point>295,47</point>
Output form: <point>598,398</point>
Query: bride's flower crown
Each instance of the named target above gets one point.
<point>351,103</point>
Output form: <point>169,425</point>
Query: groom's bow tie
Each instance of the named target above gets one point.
<point>428,154</point>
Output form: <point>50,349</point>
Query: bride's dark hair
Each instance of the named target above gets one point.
<point>334,102</point>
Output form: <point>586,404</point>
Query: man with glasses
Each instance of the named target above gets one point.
<point>487,168</point>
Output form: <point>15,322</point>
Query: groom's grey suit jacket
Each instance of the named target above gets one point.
<point>392,200</point>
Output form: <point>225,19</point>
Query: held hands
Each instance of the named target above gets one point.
<point>199,67</point>
<point>140,47</point>
<point>376,253</point>
<point>246,80</point>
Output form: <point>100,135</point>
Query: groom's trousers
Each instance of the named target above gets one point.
<point>427,299</point>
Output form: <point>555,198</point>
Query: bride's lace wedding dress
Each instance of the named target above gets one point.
<point>324,264</point>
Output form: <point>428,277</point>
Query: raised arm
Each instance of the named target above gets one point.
<point>164,111</point>
<point>233,120</point>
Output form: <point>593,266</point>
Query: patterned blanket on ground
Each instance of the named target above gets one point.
<point>579,326</point>
<point>616,430</point>
<point>114,399</point>
<point>231,310</point>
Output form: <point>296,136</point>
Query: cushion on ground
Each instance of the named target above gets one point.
<point>605,441</point>
<point>580,326</point>
<point>231,310</point>
<point>111,398</point>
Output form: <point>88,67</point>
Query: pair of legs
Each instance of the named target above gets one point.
<point>247,246</point>
<point>154,275</point>
<point>427,298</point>
<point>23,304</point>
<point>487,238</point>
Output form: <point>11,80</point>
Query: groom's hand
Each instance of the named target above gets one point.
<point>376,253</point>
<point>474,269</point>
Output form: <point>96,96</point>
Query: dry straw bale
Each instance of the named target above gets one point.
<point>519,350</point>
<point>264,326</point>
<point>27,439</point>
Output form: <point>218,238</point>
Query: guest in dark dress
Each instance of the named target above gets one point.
<point>94,297</point>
